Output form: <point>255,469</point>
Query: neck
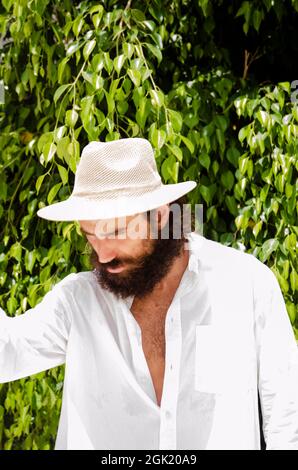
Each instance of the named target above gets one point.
<point>169,284</point>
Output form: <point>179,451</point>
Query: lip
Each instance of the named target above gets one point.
<point>116,270</point>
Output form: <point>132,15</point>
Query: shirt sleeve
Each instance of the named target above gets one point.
<point>277,365</point>
<point>35,340</point>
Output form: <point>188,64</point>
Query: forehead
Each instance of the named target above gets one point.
<point>104,225</point>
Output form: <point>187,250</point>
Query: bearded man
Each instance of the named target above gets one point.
<point>171,340</point>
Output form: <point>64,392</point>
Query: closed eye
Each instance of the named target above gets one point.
<point>89,235</point>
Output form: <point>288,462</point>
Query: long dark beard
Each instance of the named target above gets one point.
<point>141,280</point>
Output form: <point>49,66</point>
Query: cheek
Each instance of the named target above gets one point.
<point>129,249</point>
<point>125,248</point>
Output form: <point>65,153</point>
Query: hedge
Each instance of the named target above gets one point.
<point>74,72</point>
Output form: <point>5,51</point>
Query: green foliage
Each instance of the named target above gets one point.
<point>81,71</point>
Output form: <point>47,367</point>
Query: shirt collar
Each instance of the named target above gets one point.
<point>191,272</point>
<point>195,242</point>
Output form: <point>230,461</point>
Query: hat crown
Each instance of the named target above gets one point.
<point>117,167</point>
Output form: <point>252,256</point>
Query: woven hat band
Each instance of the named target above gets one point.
<point>114,194</point>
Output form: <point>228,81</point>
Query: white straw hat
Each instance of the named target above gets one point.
<point>115,179</point>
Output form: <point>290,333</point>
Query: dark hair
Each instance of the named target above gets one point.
<point>171,224</point>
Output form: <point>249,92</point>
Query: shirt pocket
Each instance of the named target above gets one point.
<point>223,360</point>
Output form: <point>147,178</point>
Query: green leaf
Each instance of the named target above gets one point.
<point>62,148</point>
<point>264,118</point>
<point>74,47</point>
<point>221,122</point>
<point>221,139</point>
<point>128,49</point>
<point>12,305</point>
<point>158,138</point>
<point>142,112</point>
<point>77,25</point>
<point>45,138</point>
<point>169,169</point>
<point>86,104</point>
<point>137,15</point>
<point>32,206</point>
<point>227,179</point>
<point>49,151</point>
<point>96,9</point>
<point>241,221</point>
<point>30,258</point>
<point>74,153</point>
<point>53,192</point>
<point>45,274</point>
<point>243,133</point>
<point>176,120</point>
<point>232,205</point>
<point>118,63</point>
<point>59,133</point>
<point>204,160</point>
<point>110,102</point>
<point>188,143</point>
<point>233,155</point>
<point>208,192</point>
<point>16,251</point>
<point>257,228</point>
<point>268,248</point>
<point>157,98</point>
<point>258,16</point>
<point>149,24</point>
<point>98,62</point>
<point>66,249</point>
<point>135,76</point>
<point>60,91</point>
<point>88,48</point>
<point>122,107</point>
<point>63,174</point>
<point>71,117</point>
<point>39,182</point>
<point>291,309</point>
<point>155,51</point>
<point>61,68</point>
<point>176,151</point>
<point>108,63</point>
<point>294,280</point>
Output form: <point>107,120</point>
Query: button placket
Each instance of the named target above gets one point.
<point>171,378</point>
<point>140,365</point>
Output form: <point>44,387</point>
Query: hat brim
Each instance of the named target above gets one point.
<point>79,208</point>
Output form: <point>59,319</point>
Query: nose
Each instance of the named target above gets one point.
<point>105,252</point>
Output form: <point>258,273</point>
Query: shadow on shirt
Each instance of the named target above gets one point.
<point>263,443</point>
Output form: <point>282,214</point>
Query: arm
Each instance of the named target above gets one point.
<point>277,364</point>
<point>36,340</point>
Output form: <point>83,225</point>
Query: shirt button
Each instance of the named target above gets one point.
<point>168,414</point>
<point>171,366</point>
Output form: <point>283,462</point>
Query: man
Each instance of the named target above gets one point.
<point>169,340</point>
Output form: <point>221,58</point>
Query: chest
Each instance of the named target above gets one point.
<point>151,319</point>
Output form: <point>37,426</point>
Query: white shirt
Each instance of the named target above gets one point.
<point>227,332</point>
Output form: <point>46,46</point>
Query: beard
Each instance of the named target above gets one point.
<point>150,268</point>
